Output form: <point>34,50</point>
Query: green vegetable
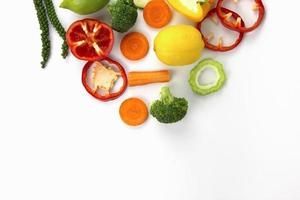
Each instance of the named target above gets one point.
<point>209,88</point>
<point>57,25</point>
<point>44,26</point>
<point>129,2</point>
<point>141,3</point>
<point>45,11</point>
<point>169,109</point>
<point>124,15</point>
<point>84,7</point>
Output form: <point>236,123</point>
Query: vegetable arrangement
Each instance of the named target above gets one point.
<point>106,79</point>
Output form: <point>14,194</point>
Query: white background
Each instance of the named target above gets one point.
<point>57,142</point>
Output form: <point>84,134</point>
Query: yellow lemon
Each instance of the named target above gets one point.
<point>178,45</point>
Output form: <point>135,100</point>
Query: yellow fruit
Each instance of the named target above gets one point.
<point>191,8</point>
<point>178,45</point>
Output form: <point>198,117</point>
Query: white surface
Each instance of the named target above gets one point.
<point>57,142</point>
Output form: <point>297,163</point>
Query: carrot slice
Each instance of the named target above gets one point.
<point>133,111</point>
<point>134,46</point>
<point>143,78</point>
<point>157,13</point>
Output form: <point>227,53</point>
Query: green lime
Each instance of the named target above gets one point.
<point>84,7</point>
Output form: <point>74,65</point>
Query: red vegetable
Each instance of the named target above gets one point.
<point>104,79</point>
<point>238,26</point>
<point>90,39</point>
<point>219,46</point>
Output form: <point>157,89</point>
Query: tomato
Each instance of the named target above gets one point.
<point>90,39</point>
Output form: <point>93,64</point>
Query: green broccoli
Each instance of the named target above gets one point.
<point>169,109</point>
<point>123,14</point>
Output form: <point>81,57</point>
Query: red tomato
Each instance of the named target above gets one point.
<point>90,39</point>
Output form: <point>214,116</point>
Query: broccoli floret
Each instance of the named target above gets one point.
<point>129,2</point>
<point>123,14</point>
<point>169,109</point>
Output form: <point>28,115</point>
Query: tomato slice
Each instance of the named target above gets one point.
<point>90,39</point>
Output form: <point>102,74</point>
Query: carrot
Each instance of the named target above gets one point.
<point>134,46</point>
<point>143,78</point>
<point>133,111</point>
<point>157,13</point>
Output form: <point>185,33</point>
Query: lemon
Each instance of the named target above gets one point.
<point>84,7</point>
<point>178,45</point>
<point>192,9</point>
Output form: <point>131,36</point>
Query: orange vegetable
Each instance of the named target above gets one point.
<point>157,13</point>
<point>143,78</point>
<point>133,112</point>
<point>134,46</point>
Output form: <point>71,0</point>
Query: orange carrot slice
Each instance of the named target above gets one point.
<point>133,112</point>
<point>147,77</point>
<point>134,46</point>
<point>157,13</point>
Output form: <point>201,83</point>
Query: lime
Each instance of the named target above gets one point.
<point>84,7</point>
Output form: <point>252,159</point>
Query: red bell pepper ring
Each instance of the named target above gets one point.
<point>109,95</point>
<point>220,47</point>
<point>237,26</point>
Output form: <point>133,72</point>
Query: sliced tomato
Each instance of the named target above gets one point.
<point>90,39</point>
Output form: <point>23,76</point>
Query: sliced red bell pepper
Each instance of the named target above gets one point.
<point>104,77</point>
<point>220,46</point>
<point>90,39</point>
<point>237,26</point>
